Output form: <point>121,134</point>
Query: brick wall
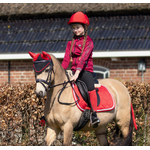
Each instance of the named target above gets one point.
<point>20,71</point>
<point>3,71</point>
<point>124,69</point>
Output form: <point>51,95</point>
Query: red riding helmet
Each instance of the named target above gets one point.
<point>79,17</point>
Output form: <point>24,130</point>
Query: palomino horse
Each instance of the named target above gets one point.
<point>64,115</point>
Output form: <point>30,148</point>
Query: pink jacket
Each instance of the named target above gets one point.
<point>86,60</point>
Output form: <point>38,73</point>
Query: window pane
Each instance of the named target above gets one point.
<point>101,72</point>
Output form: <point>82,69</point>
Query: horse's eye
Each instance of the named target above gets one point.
<point>46,70</point>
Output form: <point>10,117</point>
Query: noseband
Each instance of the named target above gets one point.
<point>48,80</point>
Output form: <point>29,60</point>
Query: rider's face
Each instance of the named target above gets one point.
<point>78,29</point>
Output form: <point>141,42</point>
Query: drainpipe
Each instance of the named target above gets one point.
<point>9,72</point>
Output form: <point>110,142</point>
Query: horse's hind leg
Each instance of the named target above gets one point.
<point>123,121</point>
<point>125,124</point>
<point>101,136</point>
<point>50,136</point>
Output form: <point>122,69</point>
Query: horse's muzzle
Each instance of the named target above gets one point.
<point>39,94</point>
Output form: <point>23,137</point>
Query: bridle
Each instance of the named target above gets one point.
<point>48,80</point>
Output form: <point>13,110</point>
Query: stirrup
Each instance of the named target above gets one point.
<point>94,120</point>
<point>95,123</point>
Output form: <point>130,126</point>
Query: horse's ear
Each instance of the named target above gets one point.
<point>33,55</point>
<point>46,55</point>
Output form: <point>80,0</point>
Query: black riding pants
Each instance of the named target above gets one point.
<point>87,78</point>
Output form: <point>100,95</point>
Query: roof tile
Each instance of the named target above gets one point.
<point>113,33</point>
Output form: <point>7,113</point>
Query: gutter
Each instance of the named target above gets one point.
<point>121,54</point>
<point>108,54</point>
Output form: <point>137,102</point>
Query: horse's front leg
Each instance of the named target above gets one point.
<point>68,131</point>
<point>51,136</point>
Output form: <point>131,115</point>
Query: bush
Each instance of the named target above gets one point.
<point>20,113</point>
<point>21,110</point>
<point>140,97</point>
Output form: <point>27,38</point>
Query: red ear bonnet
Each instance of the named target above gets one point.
<point>41,61</point>
<point>33,55</point>
<point>45,55</point>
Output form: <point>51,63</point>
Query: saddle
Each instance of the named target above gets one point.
<point>84,91</point>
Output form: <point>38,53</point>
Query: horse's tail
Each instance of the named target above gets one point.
<point>134,121</point>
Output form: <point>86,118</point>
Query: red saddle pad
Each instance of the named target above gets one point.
<point>107,102</point>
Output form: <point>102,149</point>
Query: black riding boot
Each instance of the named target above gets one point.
<point>94,120</point>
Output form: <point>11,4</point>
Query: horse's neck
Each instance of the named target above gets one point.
<point>60,74</point>
<point>59,77</point>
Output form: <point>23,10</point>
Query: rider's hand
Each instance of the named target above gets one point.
<point>75,76</point>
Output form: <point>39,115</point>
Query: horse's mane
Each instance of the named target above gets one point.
<point>57,63</point>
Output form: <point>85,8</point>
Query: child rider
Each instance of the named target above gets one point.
<point>79,52</point>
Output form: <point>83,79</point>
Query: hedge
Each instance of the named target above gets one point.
<point>21,110</point>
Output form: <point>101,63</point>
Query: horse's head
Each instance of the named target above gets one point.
<point>43,68</point>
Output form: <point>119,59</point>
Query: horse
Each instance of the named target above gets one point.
<point>62,114</point>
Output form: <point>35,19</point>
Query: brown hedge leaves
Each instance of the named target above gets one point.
<point>18,106</point>
<point>21,110</point>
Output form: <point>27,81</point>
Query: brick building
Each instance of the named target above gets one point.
<point>120,34</point>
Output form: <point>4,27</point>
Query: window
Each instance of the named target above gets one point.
<point>101,72</point>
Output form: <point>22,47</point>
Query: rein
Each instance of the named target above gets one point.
<point>64,88</point>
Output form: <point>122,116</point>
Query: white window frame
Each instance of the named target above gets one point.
<point>101,72</point>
